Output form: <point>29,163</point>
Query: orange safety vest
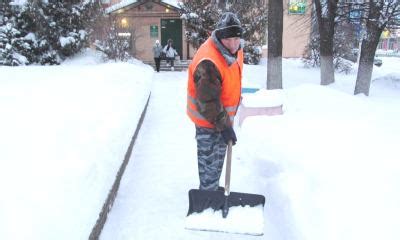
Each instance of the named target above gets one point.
<point>231,82</point>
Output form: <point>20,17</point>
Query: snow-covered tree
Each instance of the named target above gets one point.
<point>45,31</point>
<point>93,16</point>
<point>115,46</point>
<point>201,17</point>
<point>380,15</point>
<point>17,43</point>
<point>253,16</point>
<point>343,42</point>
<point>63,26</point>
<point>10,43</point>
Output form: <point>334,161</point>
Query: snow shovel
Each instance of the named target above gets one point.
<point>225,211</point>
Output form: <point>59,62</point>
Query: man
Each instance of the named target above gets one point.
<point>157,49</point>
<point>214,88</point>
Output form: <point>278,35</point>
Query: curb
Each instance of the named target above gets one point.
<point>107,206</point>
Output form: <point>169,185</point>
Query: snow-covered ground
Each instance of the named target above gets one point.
<point>64,132</point>
<point>328,166</point>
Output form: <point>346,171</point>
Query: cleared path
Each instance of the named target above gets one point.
<point>152,200</point>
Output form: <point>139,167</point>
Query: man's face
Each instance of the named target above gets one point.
<point>232,44</point>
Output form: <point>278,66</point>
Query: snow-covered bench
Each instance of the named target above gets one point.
<point>260,102</point>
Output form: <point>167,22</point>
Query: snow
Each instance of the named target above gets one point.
<point>174,3</point>
<point>21,59</point>
<point>191,15</point>
<point>30,36</point>
<point>18,2</point>
<point>119,5</point>
<point>328,166</point>
<point>241,220</point>
<point>125,3</point>
<point>64,131</point>
<point>64,41</point>
<point>263,98</point>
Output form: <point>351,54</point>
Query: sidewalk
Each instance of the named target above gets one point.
<point>152,200</point>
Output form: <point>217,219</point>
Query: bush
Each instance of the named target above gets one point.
<point>342,50</point>
<point>115,47</point>
<point>343,65</point>
<point>252,53</point>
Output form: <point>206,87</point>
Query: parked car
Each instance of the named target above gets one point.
<point>354,54</point>
<point>377,62</point>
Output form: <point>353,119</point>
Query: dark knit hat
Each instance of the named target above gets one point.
<point>228,26</point>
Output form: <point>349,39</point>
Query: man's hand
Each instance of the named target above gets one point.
<point>229,135</point>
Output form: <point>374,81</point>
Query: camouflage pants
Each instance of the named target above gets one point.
<point>211,150</point>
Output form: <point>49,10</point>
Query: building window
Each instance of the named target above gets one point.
<point>297,6</point>
<point>153,31</point>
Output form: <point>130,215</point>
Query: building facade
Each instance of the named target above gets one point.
<point>145,21</point>
<point>296,27</point>
<point>389,43</point>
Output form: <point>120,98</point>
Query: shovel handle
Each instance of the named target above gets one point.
<point>228,168</point>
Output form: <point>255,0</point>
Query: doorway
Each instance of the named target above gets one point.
<point>172,29</point>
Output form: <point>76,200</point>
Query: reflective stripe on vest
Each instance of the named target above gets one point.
<point>231,82</point>
<point>230,110</point>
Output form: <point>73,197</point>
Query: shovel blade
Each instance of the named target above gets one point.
<point>246,214</point>
<point>199,200</point>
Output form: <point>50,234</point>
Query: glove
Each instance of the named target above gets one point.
<point>229,135</point>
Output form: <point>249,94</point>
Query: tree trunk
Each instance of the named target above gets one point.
<point>365,66</point>
<point>326,53</point>
<point>367,54</point>
<point>326,26</point>
<point>275,29</point>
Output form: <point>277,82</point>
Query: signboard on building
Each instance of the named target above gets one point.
<point>355,15</point>
<point>297,6</point>
<point>153,31</point>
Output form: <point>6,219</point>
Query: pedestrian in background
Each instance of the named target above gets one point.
<point>170,53</point>
<point>157,50</point>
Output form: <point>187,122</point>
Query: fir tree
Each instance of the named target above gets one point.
<point>65,31</point>
<point>16,42</point>
<point>202,16</point>
<point>253,16</point>
<point>45,32</point>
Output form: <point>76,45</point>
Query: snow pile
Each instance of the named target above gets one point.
<point>64,133</point>
<point>263,98</point>
<point>243,220</point>
<point>391,78</point>
<point>332,158</point>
